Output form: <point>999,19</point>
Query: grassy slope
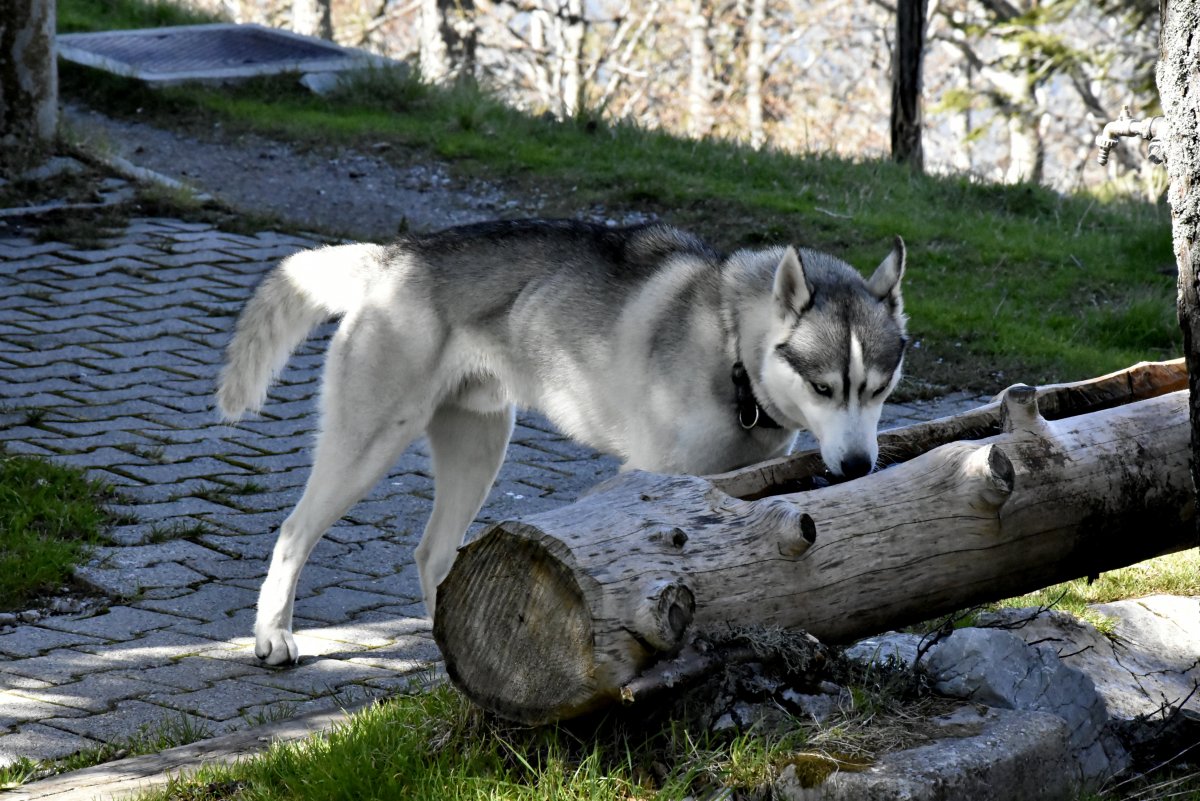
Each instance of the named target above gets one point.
<point>1005,283</point>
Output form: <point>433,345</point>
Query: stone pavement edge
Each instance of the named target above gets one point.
<point>108,357</point>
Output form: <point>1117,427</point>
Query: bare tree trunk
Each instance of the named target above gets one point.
<point>907,60</point>
<point>447,39</point>
<point>312,18</point>
<point>574,32</point>
<point>539,22</point>
<point>1026,151</point>
<point>28,80</point>
<point>1178,79</point>
<point>700,112</point>
<point>755,67</point>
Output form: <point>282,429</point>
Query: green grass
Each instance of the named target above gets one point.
<point>49,517</point>
<point>1005,283</point>
<point>78,16</point>
<point>1173,574</point>
<point>436,745</point>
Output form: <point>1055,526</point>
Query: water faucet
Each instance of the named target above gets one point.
<point>1150,129</point>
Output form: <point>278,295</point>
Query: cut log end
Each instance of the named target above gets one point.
<point>664,612</point>
<point>993,471</point>
<point>513,626</point>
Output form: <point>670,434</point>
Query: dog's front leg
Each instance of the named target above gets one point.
<point>273,640</point>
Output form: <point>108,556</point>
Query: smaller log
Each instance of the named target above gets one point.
<point>796,472</point>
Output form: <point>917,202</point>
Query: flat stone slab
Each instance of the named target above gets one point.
<point>207,53</point>
<point>996,755</point>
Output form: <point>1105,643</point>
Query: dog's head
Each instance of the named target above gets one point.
<point>835,350</point>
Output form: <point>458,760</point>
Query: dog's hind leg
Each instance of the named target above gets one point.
<point>468,449</point>
<point>373,407</point>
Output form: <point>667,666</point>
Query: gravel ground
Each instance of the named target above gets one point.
<point>358,195</point>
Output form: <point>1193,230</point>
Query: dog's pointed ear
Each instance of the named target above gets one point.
<point>885,283</point>
<point>793,292</point>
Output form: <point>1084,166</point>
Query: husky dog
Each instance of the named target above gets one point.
<point>642,342</point>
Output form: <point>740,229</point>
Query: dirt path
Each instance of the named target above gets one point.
<point>335,191</point>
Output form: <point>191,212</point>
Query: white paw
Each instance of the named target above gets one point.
<point>276,647</point>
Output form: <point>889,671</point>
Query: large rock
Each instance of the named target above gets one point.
<point>984,755</point>
<point>1149,663</point>
<point>999,669</point>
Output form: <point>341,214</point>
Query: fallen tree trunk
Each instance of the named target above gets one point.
<point>551,616</point>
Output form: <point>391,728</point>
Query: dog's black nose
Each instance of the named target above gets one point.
<point>855,466</point>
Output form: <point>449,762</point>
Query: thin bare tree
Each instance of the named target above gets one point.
<point>312,18</point>
<point>907,63</point>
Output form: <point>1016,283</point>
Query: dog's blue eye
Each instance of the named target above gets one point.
<point>824,390</point>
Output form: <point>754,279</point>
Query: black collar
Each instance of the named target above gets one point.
<point>748,407</point>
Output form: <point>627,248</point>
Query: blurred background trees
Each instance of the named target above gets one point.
<point>1012,89</point>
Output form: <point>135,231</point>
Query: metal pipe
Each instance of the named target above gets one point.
<point>1149,129</point>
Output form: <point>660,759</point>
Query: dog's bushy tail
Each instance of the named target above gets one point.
<point>306,289</point>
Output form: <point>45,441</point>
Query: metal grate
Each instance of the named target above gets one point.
<point>206,52</point>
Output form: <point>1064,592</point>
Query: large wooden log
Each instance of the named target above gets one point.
<point>550,616</point>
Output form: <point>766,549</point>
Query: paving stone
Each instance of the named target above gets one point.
<point>57,666</point>
<point>237,628</point>
<point>94,693</point>
<point>229,569</point>
<point>107,254</point>
<point>129,583</point>
<point>411,656</point>
<point>142,556</point>
<point>319,676</point>
<point>34,640</point>
<point>209,603</point>
<point>132,718</point>
<point>19,707</point>
<point>405,583</point>
<point>119,623</point>
<point>373,629</point>
<point>317,577</point>
<point>349,533</point>
<point>202,670</point>
<point>378,557</point>
<point>37,741</point>
<point>153,650</point>
<point>226,699</point>
<point>251,547</point>
<point>337,604</point>
<point>200,257</point>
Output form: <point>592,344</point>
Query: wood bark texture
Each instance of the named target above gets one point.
<point>1178,79</point>
<point>907,60</point>
<point>28,79</point>
<point>551,616</point>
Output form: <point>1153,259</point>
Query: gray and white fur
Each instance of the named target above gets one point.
<point>624,338</point>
